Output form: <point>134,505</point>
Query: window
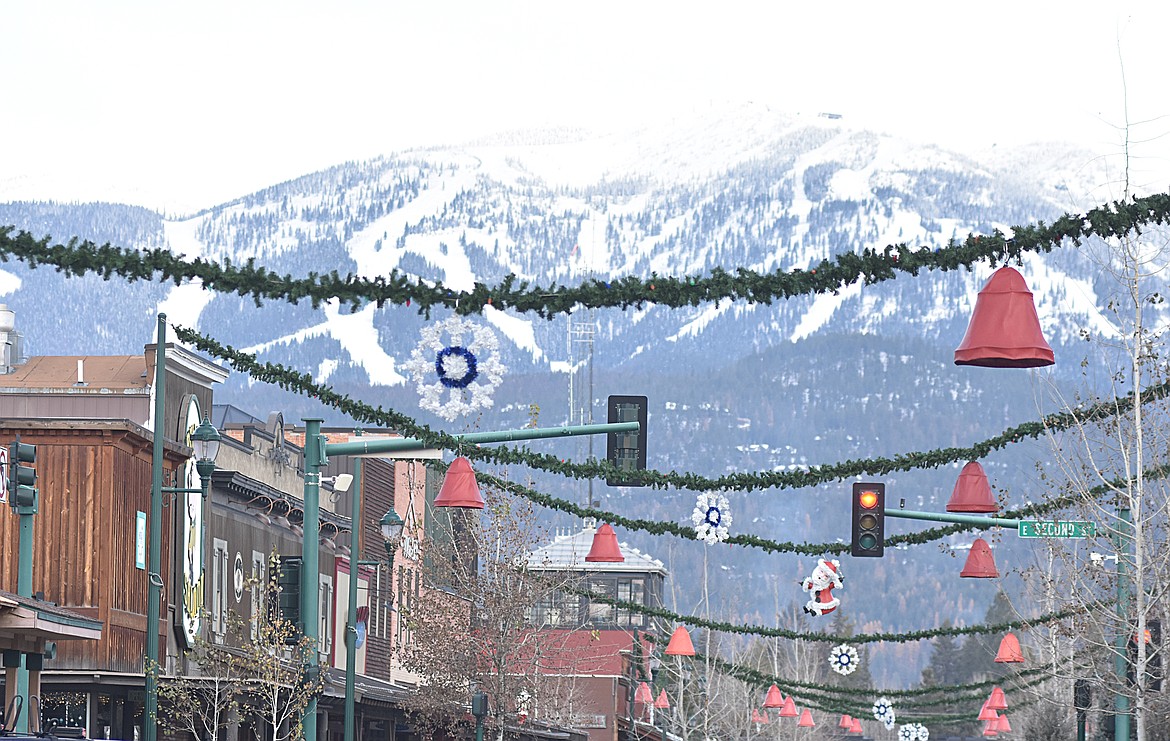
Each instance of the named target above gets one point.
<point>556,609</point>
<point>259,590</point>
<point>631,590</point>
<point>325,612</point>
<point>601,612</point>
<point>408,586</point>
<point>219,589</point>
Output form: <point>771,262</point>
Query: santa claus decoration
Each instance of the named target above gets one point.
<point>820,585</point>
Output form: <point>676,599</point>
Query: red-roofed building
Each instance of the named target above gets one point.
<point>601,652</point>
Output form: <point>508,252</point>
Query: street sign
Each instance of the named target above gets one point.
<point>1056,529</point>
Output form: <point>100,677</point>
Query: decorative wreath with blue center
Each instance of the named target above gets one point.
<point>913,732</point>
<point>456,366</point>
<point>883,710</point>
<point>711,517</point>
<point>844,659</point>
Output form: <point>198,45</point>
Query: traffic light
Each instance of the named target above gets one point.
<point>1153,640</point>
<point>627,450</point>
<point>22,477</point>
<point>288,581</point>
<point>869,520</point>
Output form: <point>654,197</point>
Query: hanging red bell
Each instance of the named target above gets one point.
<point>773,698</point>
<point>998,700</point>
<point>856,726</point>
<point>788,709</point>
<point>980,563</point>
<point>806,720</point>
<point>1009,650</point>
<point>990,729</point>
<point>846,722</point>
<point>680,643</point>
<point>986,713</point>
<point>605,547</point>
<point>972,491</point>
<point>1002,725</point>
<point>642,694</point>
<point>1005,330</point>
<point>763,716</point>
<point>662,703</point>
<point>460,489</point>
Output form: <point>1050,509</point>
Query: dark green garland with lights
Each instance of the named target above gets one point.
<point>303,383</point>
<point>850,700</point>
<point>859,639</point>
<point>79,257</point>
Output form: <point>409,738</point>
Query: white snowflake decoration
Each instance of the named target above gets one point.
<point>844,659</point>
<point>883,710</point>
<point>889,721</point>
<point>908,733</point>
<point>467,365</point>
<point>711,517</point>
<point>920,732</point>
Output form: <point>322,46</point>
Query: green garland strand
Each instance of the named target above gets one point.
<point>859,701</point>
<point>303,383</point>
<point>870,266</point>
<point>291,380</point>
<point>765,632</point>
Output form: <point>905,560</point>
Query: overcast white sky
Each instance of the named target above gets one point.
<point>185,105</point>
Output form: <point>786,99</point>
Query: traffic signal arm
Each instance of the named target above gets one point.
<point>949,517</point>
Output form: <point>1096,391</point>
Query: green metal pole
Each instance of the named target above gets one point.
<point>374,446</point>
<point>24,589</point>
<point>351,620</point>
<point>309,563</point>
<point>154,536</point>
<point>1120,699</point>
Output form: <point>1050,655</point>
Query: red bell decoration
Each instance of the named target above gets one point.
<point>605,546</point>
<point>1004,331</point>
<point>990,728</point>
<point>773,699</point>
<point>1009,650</point>
<point>856,726</point>
<point>764,716</point>
<point>997,701</point>
<point>972,492</point>
<point>662,703</point>
<point>806,720</point>
<point>680,643</point>
<point>756,716</point>
<point>460,489</point>
<point>980,563</point>
<point>986,713</point>
<point>1002,725</point>
<point>788,709</point>
<point>846,722</point>
<point>642,694</point>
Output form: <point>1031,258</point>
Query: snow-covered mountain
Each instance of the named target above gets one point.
<point>864,372</point>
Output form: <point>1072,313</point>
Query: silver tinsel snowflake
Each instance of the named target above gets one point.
<point>461,358</point>
<point>844,659</point>
<point>711,517</point>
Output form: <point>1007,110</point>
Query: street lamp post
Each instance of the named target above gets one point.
<point>205,441</point>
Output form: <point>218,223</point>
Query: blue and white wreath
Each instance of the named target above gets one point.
<point>883,710</point>
<point>844,659</point>
<point>711,517</point>
<point>913,732</point>
<point>456,366</point>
